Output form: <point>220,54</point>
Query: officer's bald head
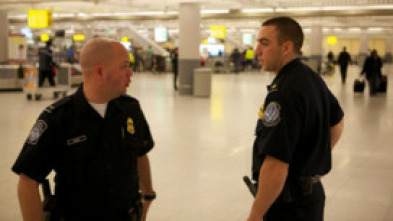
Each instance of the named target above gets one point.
<point>96,52</point>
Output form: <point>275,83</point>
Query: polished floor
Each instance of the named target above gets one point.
<point>203,148</point>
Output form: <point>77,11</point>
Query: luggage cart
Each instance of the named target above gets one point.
<point>62,80</point>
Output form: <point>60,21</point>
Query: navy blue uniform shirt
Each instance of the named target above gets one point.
<point>294,122</point>
<point>95,158</point>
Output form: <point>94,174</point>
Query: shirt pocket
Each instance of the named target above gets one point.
<point>77,158</point>
<point>131,144</point>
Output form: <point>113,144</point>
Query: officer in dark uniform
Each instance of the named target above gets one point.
<point>298,125</point>
<point>96,141</point>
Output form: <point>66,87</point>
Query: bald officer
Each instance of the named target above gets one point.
<point>96,141</point>
<point>298,126</point>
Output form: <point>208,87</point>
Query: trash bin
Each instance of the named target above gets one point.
<point>202,82</point>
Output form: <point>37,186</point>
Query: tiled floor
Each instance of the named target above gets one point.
<point>203,148</point>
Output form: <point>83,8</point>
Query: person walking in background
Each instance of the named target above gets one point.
<point>372,69</point>
<point>46,64</point>
<point>249,55</point>
<point>71,54</point>
<point>150,59</point>
<point>343,60</point>
<point>235,57</point>
<point>330,56</point>
<point>175,66</point>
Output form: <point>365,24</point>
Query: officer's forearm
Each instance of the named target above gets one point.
<point>272,178</point>
<point>145,181</point>
<point>335,133</point>
<point>29,199</point>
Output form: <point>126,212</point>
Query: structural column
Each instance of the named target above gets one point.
<point>364,50</point>
<point>189,40</point>
<point>316,45</point>
<point>3,36</point>
<point>389,45</point>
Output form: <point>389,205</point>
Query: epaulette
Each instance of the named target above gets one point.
<point>126,97</point>
<point>57,104</point>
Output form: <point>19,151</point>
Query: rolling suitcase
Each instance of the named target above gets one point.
<point>383,84</point>
<point>358,86</point>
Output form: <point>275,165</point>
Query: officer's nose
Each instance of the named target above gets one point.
<point>130,72</point>
<point>258,50</point>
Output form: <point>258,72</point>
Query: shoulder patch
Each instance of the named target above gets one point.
<point>38,129</point>
<point>271,114</point>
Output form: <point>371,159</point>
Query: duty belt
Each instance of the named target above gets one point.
<point>300,186</point>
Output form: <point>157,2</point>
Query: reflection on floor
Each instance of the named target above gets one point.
<point>203,148</point>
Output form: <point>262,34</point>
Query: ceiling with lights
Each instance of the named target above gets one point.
<point>334,15</point>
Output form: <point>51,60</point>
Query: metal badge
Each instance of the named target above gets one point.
<point>38,129</point>
<point>130,126</point>
<point>76,140</point>
<point>260,113</point>
<point>271,115</point>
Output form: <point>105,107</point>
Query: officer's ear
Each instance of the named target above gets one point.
<point>287,47</point>
<point>97,70</point>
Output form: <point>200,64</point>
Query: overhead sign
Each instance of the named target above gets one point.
<point>79,37</point>
<point>217,31</point>
<point>124,39</point>
<point>44,37</point>
<point>160,34</point>
<point>332,40</point>
<point>247,39</point>
<point>39,18</point>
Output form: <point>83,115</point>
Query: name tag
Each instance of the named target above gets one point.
<point>76,140</point>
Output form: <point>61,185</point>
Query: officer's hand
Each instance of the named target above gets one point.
<point>254,219</point>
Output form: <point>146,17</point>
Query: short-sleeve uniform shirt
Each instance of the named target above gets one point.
<point>294,122</point>
<point>95,158</point>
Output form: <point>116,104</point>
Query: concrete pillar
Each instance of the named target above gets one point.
<point>389,45</point>
<point>189,40</point>
<point>3,36</point>
<point>364,50</point>
<point>363,44</point>
<point>316,45</point>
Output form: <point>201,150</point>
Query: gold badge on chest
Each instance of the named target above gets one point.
<point>130,126</point>
<point>260,113</point>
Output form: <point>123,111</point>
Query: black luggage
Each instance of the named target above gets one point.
<point>383,84</point>
<point>358,86</point>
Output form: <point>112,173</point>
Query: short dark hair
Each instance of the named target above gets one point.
<point>287,30</point>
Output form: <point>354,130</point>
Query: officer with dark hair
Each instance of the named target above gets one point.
<point>96,141</point>
<point>299,124</point>
<point>46,64</point>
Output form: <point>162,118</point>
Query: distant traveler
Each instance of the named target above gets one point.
<point>46,64</point>
<point>235,57</point>
<point>249,55</point>
<point>372,69</point>
<point>71,54</point>
<point>175,68</point>
<point>344,58</point>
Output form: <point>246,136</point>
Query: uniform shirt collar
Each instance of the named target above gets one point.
<point>82,106</point>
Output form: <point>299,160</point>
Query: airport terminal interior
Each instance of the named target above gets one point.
<point>203,141</point>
